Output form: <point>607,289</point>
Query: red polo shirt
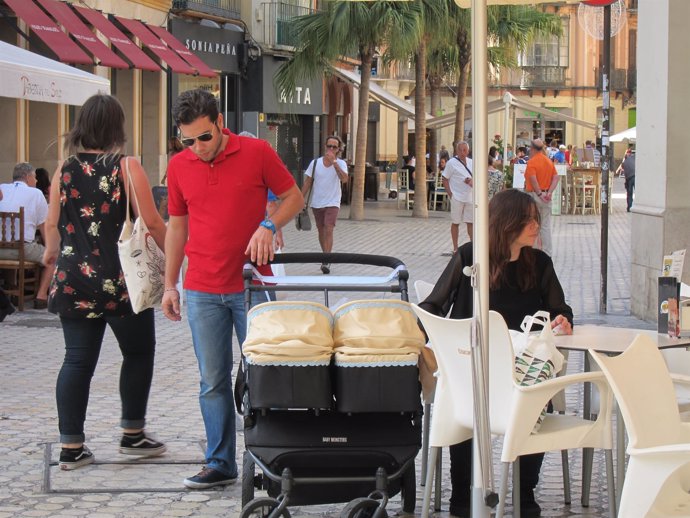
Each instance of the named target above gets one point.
<point>225,201</point>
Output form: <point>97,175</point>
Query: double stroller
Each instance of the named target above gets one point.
<point>331,401</point>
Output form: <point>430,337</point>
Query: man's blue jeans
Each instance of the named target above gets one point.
<point>211,319</point>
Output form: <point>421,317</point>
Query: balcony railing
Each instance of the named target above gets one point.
<point>278,27</point>
<point>227,9</point>
<point>543,77</point>
<point>618,81</point>
<point>632,79</point>
<point>398,71</point>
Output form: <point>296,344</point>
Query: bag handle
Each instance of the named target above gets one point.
<point>313,180</point>
<point>129,182</point>
<point>540,317</point>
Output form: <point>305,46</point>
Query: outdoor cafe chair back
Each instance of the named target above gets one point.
<point>658,476</point>
<point>513,408</point>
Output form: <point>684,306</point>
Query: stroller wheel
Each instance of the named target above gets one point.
<point>363,508</point>
<point>262,508</point>
<point>247,478</point>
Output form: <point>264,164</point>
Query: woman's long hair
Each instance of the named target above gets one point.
<point>509,212</point>
<point>99,125</point>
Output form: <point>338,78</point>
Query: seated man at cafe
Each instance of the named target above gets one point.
<point>22,192</point>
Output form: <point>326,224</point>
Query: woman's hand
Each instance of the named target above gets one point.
<point>561,326</point>
<point>50,256</point>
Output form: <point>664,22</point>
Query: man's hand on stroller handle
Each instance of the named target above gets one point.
<point>260,248</point>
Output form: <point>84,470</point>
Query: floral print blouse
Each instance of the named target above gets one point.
<point>88,280</point>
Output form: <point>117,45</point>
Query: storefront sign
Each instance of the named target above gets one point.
<point>218,48</point>
<point>535,115</point>
<point>305,99</point>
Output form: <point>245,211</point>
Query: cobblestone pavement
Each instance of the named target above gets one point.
<point>31,349</point>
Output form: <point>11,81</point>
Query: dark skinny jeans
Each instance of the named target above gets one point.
<point>136,337</point>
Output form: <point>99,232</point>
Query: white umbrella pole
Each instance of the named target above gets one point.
<point>482,479</point>
<point>506,129</point>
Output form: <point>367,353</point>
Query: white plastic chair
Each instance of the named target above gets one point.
<point>423,289</point>
<point>439,195</point>
<point>513,409</point>
<point>657,480</point>
<point>404,189</point>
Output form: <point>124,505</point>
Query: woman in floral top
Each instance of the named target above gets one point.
<point>496,182</point>
<point>86,214</point>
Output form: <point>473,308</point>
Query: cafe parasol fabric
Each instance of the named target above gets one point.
<point>379,333</point>
<point>289,334</point>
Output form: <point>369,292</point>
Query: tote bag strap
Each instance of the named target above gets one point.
<point>130,184</point>
<point>313,180</point>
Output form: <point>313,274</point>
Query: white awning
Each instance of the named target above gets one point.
<point>449,118</point>
<point>548,114</point>
<point>466,4</point>
<point>379,94</point>
<point>629,134</point>
<point>26,75</point>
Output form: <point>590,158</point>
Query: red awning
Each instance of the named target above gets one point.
<point>148,38</point>
<point>131,51</point>
<point>186,54</point>
<point>39,22</point>
<point>64,15</point>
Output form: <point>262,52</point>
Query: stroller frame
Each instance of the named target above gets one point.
<point>375,503</point>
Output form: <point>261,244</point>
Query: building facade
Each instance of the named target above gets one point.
<point>139,79</point>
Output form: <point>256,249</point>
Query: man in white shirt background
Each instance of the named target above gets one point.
<point>22,192</point>
<point>457,180</point>
<point>325,175</point>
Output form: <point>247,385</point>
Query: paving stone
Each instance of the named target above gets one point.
<point>28,417</point>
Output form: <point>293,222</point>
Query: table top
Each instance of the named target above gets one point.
<point>613,340</point>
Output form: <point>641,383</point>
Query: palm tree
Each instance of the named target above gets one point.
<point>511,28</point>
<point>341,29</point>
<point>440,61</point>
<point>430,27</point>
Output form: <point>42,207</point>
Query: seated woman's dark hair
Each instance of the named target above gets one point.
<point>194,104</point>
<point>100,125</point>
<point>509,212</point>
<point>43,181</point>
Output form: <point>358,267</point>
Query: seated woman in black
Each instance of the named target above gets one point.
<point>522,281</point>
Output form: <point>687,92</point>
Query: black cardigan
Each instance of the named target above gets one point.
<point>454,289</point>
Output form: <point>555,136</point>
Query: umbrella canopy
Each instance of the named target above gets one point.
<point>25,75</point>
<point>629,134</point>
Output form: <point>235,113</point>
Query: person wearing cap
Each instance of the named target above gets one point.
<point>541,179</point>
<point>559,157</point>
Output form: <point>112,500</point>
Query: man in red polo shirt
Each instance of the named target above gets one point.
<point>541,179</point>
<point>217,191</point>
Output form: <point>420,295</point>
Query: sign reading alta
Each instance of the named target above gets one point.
<point>301,95</point>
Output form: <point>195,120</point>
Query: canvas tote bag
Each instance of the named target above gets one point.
<point>142,262</point>
<point>536,357</point>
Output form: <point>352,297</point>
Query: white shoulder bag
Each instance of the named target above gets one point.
<point>142,261</point>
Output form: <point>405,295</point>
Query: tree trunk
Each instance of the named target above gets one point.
<point>357,204</point>
<point>420,208</point>
<point>435,83</point>
<point>464,65</point>
<point>463,79</point>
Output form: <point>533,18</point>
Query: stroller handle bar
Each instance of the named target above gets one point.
<point>335,258</point>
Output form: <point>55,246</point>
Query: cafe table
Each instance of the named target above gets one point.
<point>611,341</point>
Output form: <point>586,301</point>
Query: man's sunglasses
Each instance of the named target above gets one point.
<point>189,141</point>
<point>331,146</point>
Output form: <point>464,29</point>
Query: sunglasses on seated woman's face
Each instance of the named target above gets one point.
<point>206,136</point>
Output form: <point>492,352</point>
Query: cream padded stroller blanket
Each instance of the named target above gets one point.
<point>376,333</point>
<point>289,333</point>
